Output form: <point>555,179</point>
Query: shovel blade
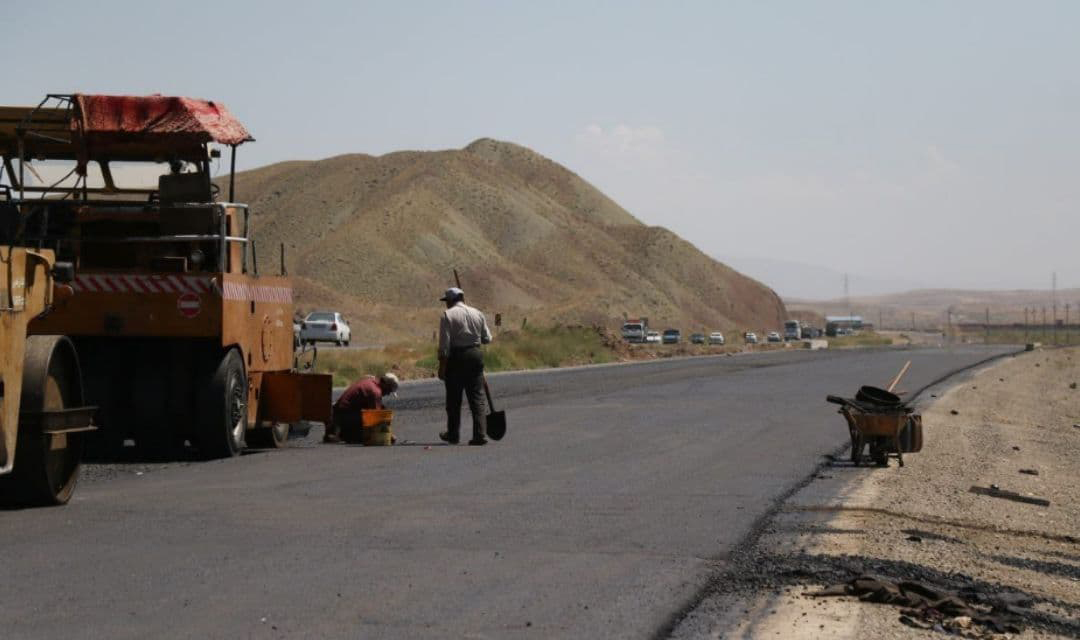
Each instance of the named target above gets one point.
<point>496,425</point>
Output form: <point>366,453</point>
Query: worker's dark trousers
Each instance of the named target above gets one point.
<point>465,372</point>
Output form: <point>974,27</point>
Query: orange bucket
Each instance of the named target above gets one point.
<point>374,428</point>
<point>375,431</point>
<point>375,417</point>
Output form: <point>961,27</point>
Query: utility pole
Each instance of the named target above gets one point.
<point>1068,336</point>
<point>987,325</point>
<point>1044,323</point>
<point>847,296</point>
<point>1053,301</point>
<point>880,325</point>
<point>912,321</point>
<point>1025,324</point>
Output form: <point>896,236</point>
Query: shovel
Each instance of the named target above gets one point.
<point>496,420</point>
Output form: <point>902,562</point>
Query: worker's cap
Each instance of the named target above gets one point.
<point>453,293</point>
<point>391,381</point>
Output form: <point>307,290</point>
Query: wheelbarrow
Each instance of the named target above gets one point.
<point>880,419</point>
<point>888,432</point>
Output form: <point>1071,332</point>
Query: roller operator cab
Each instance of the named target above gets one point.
<point>182,337</point>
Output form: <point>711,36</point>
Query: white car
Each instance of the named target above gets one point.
<point>325,326</point>
<point>716,338</point>
<point>653,337</point>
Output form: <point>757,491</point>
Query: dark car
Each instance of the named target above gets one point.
<point>697,338</point>
<point>671,336</point>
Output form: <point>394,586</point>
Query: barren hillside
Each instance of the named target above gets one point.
<point>378,237</point>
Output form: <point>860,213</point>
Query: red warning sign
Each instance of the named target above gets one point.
<point>189,305</point>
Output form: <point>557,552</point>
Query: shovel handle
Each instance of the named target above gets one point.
<point>896,380</point>
<point>487,392</point>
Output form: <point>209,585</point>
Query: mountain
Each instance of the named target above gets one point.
<point>793,279</point>
<point>379,238</point>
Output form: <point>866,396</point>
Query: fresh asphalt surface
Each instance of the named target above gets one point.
<point>614,497</point>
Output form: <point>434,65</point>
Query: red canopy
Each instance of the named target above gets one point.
<point>147,118</point>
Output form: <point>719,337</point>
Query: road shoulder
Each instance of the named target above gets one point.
<point>1013,425</point>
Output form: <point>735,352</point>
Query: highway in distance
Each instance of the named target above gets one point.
<point>616,494</point>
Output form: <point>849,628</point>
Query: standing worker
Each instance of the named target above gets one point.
<point>462,330</point>
<point>365,393</point>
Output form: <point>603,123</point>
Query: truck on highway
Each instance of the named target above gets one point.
<point>43,423</point>
<point>635,330</point>
<point>183,336</point>
<point>792,330</point>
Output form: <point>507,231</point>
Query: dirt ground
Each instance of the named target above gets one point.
<point>1014,425</point>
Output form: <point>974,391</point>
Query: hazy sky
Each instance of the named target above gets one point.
<point>937,142</point>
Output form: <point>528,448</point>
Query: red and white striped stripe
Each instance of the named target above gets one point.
<point>121,283</point>
<point>244,291</point>
<point>178,284</point>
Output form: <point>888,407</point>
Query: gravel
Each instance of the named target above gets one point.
<point>921,523</point>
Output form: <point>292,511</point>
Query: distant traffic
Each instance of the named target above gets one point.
<point>637,331</point>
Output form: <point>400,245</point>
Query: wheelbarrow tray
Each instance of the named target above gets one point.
<point>879,424</point>
<point>881,431</point>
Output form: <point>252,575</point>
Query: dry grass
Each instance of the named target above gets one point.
<point>530,348</point>
<point>408,361</point>
<point>536,348</point>
<point>864,339</point>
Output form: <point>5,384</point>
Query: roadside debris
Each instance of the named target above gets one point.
<point>927,606</point>
<point>996,492</point>
<point>1030,472</point>
<point>954,412</point>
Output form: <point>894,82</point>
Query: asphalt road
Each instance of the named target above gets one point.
<point>615,496</point>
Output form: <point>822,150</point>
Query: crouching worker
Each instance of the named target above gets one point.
<point>365,393</point>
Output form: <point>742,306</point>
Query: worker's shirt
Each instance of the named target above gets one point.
<point>462,326</point>
<point>365,393</point>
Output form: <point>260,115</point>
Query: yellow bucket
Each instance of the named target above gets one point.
<point>375,425</point>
